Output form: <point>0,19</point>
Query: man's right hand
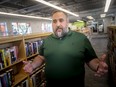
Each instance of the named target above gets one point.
<point>28,67</point>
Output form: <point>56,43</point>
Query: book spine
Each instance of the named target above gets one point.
<point>0,83</point>
<point>2,76</point>
<point>3,57</point>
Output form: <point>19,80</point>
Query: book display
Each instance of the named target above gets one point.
<point>112,52</point>
<point>14,50</point>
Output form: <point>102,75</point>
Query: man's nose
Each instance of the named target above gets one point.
<point>58,23</point>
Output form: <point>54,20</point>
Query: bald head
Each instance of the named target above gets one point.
<point>60,12</point>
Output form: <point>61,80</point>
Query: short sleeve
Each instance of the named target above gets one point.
<point>89,51</point>
<point>41,49</point>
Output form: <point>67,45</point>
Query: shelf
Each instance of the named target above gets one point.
<point>19,77</point>
<point>13,64</point>
<point>114,27</point>
<point>10,39</point>
<point>41,82</point>
<point>33,55</point>
<point>38,69</point>
<point>37,35</point>
<point>111,52</point>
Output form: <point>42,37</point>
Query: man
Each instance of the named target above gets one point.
<point>65,52</point>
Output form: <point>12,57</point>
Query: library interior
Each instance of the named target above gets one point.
<point>28,26</point>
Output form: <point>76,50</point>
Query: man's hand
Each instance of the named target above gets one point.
<point>28,67</point>
<point>102,66</point>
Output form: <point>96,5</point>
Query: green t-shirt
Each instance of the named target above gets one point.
<point>65,57</point>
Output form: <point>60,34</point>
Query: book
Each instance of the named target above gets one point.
<point>43,84</point>
<point>1,61</point>
<point>4,80</point>
<point>43,74</point>
<point>25,83</point>
<point>35,47</point>
<point>36,79</point>
<point>10,76</point>
<point>14,54</point>
<point>2,55</point>
<point>0,83</point>
<point>8,56</point>
<point>29,49</point>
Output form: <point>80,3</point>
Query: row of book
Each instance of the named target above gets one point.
<point>43,84</point>
<point>24,83</point>
<point>112,55</point>
<point>7,78</point>
<point>32,47</point>
<point>38,78</point>
<point>8,56</point>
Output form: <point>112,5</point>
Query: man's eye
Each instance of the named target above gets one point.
<point>54,21</point>
<point>61,20</point>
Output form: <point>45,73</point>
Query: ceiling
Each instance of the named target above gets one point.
<point>81,7</point>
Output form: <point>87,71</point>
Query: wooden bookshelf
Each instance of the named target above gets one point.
<point>112,52</point>
<point>19,77</point>
<point>33,55</point>
<point>17,65</point>
<point>36,35</point>
<point>11,39</point>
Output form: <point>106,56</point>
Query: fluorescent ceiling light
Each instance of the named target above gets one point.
<point>18,15</point>
<point>107,5</point>
<point>56,7</point>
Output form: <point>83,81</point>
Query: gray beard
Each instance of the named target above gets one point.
<point>61,34</point>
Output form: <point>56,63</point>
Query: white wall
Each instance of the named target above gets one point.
<point>107,22</point>
<point>35,23</point>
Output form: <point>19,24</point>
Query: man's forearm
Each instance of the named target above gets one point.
<point>38,61</point>
<point>94,64</point>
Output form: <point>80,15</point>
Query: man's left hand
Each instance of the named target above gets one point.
<point>102,66</point>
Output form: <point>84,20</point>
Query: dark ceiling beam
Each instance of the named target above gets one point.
<point>16,1</point>
<point>6,7</point>
<point>84,4</point>
<point>31,8</point>
<point>45,11</point>
<point>4,1</point>
<point>96,13</point>
<point>77,7</point>
<point>11,5</point>
<point>48,10</point>
<point>34,9</point>
<point>90,7</point>
<point>67,1</point>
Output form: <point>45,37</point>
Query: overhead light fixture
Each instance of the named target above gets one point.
<point>90,17</point>
<point>107,5</point>
<point>78,20</point>
<point>102,15</point>
<point>56,7</point>
<point>27,16</point>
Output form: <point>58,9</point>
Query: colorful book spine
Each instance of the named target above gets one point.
<point>2,56</point>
